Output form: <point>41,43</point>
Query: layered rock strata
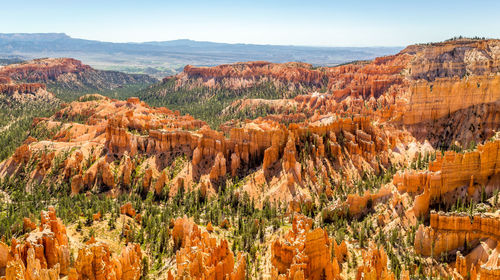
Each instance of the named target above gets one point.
<point>452,176</point>
<point>449,233</point>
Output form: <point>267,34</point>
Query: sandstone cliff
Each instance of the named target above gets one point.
<point>450,233</point>
<point>70,74</point>
<point>452,176</point>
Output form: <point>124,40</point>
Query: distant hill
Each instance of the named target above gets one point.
<point>160,59</point>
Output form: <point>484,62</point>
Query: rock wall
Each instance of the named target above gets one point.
<point>434,100</point>
<point>43,70</point>
<point>21,88</point>
<point>451,232</point>
<point>247,74</point>
<point>69,73</point>
<point>469,170</point>
<point>455,58</point>
<point>23,92</point>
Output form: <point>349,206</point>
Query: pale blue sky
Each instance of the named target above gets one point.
<point>314,23</point>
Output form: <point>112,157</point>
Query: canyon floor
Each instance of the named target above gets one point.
<point>380,169</point>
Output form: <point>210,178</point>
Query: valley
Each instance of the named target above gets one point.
<point>385,168</point>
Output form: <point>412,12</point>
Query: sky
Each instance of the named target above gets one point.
<point>278,22</point>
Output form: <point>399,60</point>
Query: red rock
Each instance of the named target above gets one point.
<point>303,253</point>
<point>210,228</point>
<point>97,216</point>
<point>374,264</point>
<point>201,257</point>
<point>28,225</point>
<point>4,254</point>
<point>449,172</point>
<point>219,168</point>
<point>449,232</point>
<point>44,251</point>
<point>225,224</point>
<point>43,69</point>
<point>127,209</point>
<point>95,261</point>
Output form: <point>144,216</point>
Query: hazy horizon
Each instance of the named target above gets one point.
<point>289,23</point>
<point>199,41</point>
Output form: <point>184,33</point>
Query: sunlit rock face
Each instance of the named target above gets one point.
<point>95,261</point>
<point>304,253</point>
<point>452,176</point>
<point>452,233</point>
<point>44,253</point>
<point>68,73</point>
<point>201,256</point>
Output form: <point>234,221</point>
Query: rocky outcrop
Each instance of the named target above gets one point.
<point>374,265</point>
<point>21,88</point>
<point>450,232</point>
<point>370,79</point>
<point>43,70</point>
<point>454,58</point>
<point>200,256</point>
<point>247,74</point>
<point>357,205</point>
<point>452,176</point>
<point>491,267</point>
<point>304,253</point>
<point>70,73</point>
<point>43,252</point>
<point>128,210</point>
<point>415,88</point>
<point>24,92</point>
<point>16,269</point>
<point>95,261</point>
<point>115,132</point>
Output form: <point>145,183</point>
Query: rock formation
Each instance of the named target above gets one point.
<point>200,256</point>
<point>44,254</point>
<point>128,210</point>
<point>332,129</point>
<point>44,251</point>
<point>374,264</point>
<point>247,74</point>
<point>116,131</point>
<point>304,253</point>
<point>452,176</point>
<point>24,92</point>
<point>454,58</point>
<point>450,233</point>
<point>69,73</point>
<point>95,261</point>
